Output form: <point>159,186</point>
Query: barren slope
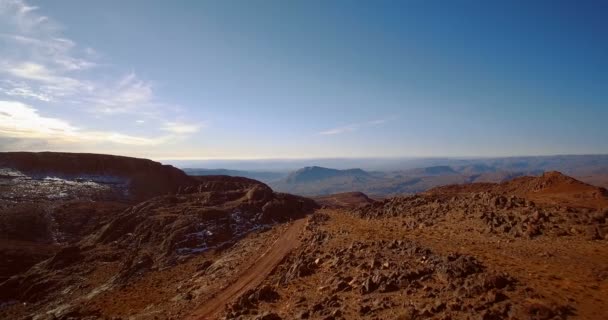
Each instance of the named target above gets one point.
<point>550,188</point>
<point>252,276</point>
<point>531,248</point>
<point>453,255</point>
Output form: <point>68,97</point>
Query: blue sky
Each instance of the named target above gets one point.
<point>304,79</point>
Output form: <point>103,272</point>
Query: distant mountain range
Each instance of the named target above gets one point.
<point>315,174</point>
<point>563,163</point>
<point>318,180</point>
<point>314,181</point>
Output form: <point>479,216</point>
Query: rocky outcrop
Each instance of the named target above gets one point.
<point>344,200</point>
<point>163,232</point>
<point>501,214</point>
<point>336,275</point>
<point>216,212</point>
<point>551,188</point>
<point>145,178</point>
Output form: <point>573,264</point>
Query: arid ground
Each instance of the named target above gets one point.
<point>223,247</point>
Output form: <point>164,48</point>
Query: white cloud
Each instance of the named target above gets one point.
<point>40,67</point>
<point>40,73</point>
<point>181,128</point>
<point>32,49</point>
<point>21,121</point>
<point>18,120</point>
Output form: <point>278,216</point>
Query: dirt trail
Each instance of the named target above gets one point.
<point>254,275</point>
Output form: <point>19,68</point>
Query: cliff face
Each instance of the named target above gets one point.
<point>145,178</point>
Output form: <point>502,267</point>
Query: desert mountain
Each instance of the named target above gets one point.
<point>49,200</point>
<point>224,247</point>
<point>211,215</point>
<point>573,165</point>
<point>318,181</point>
<point>592,169</point>
<point>312,174</point>
<point>142,178</point>
<point>550,188</point>
<point>323,181</point>
<point>430,171</point>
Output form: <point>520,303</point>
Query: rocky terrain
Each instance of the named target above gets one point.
<point>92,251</point>
<point>346,199</point>
<point>49,200</point>
<point>472,255</point>
<point>550,188</point>
<point>139,178</point>
<point>227,247</point>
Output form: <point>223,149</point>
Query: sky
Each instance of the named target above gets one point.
<point>304,79</point>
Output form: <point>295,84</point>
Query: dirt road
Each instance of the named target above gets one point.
<point>254,275</point>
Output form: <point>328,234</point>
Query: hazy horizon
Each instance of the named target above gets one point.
<point>381,164</point>
<point>300,80</point>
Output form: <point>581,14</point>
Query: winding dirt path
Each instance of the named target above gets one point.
<point>254,275</point>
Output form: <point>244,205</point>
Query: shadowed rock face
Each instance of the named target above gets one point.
<point>145,178</point>
<point>49,199</point>
<point>163,231</point>
<point>216,211</point>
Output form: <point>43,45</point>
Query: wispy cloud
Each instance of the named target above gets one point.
<point>354,127</point>
<point>21,17</point>
<point>18,120</point>
<point>58,51</point>
<point>129,94</point>
<point>22,90</point>
<point>39,67</point>
<point>37,59</point>
<point>53,84</point>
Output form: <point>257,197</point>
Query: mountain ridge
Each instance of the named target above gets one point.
<point>551,187</point>
<point>146,178</point>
